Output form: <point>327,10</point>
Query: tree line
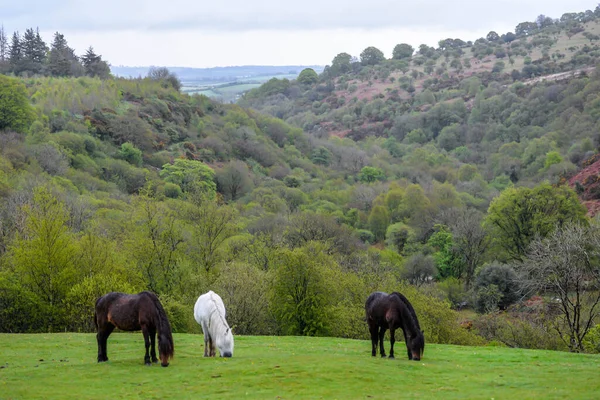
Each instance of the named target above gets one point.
<point>28,54</point>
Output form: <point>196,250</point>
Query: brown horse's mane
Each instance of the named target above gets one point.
<point>409,306</point>
<point>162,326</point>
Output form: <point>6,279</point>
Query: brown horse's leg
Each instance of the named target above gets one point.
<point>152,333</point>
<point>147,343</point>
<point>392,341</point>
<point>104,331</point>
<point>373,331</point>
<point>381,336</point>
<point>406,342</point>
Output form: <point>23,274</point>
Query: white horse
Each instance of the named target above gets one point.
<point>209,312</point>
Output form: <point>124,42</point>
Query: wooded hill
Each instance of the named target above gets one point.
<point>450,193</point>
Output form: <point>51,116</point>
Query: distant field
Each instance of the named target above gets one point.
<point>64,366</point>
<point>230,91</point>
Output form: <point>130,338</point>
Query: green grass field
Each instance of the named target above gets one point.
<point>64,366</point>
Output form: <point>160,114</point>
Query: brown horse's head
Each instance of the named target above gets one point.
<point>165,348</point>
<point>416,345</point>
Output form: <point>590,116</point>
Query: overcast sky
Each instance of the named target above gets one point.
<point>204,33</point>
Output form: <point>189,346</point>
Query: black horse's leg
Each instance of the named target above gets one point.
<point>392,340</point>
<point>152,333</point>
<point>147,343</point>
<point>381,336</point>
<point>102,337</point>
<point>373,331</point>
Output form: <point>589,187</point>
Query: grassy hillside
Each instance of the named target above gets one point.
<point>63,366</point>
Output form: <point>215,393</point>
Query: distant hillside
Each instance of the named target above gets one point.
<point>218,74</point>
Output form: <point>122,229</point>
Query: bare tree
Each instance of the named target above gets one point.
<point>470,239</point>
<point>3,46</point>
<point>565,265</point>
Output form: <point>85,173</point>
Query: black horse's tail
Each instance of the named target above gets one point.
<point>163,327</point>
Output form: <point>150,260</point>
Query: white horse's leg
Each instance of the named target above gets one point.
<point>206,338</point>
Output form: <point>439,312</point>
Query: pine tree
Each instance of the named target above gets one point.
<point>28,53</point>
<point>41,49</point>
<point>94,65</point>
<point>59,61</point>
<point>15,55</point>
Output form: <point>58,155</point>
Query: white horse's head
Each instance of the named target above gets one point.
<point>225,343</point>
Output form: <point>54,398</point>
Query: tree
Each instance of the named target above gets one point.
<point>191,176</point>
<point>33,52</point>
<point>233,181</point>
<point>155,243</point>
<point>492,36</point>
<point>419,269</point>
<point>43,253</point>
<point>308,76</point>
<point>371,56</point>
<point>164,76</point>
<point>15,111</point>
<point>526,28</point>
<point>543,21</point>
<point>565,265</point>
<point>402,50</point>
<point>15,54</point>
<point>94,65</point>
<point>518,215</point>
<point>470,240</point>
<point>379,220</point>
<point>447,260</point>
<point>131,154</point>
<point>340,64</point>
<point>62,60</point>
<point>212,224</point>
<point>305,290</point>
<point>497,282</point>
<point>371,174</point>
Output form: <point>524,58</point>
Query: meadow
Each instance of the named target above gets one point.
<point>64,365</point>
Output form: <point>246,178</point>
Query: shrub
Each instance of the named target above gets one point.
<point>497,286</point>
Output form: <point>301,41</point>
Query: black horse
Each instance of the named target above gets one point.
<point>132,312</point>
<point>392,311</point>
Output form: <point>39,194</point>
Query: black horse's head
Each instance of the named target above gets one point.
<point>416,346</point>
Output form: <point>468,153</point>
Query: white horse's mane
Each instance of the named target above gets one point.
<point>219,310</point>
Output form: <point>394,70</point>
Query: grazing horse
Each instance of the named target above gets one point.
<point>132,312</point>
<point>391,311</point>
<point>209,312</point>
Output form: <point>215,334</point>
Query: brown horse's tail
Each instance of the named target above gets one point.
<point>163,327</point>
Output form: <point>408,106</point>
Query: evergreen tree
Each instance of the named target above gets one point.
<point>41,49</point>
<point>62,60</point>
<point>15,55</point>
<point>33,51</point>
<point>94,65</point>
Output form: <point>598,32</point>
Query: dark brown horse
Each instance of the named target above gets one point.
<point>132,312</point>
<point>392,311</point>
